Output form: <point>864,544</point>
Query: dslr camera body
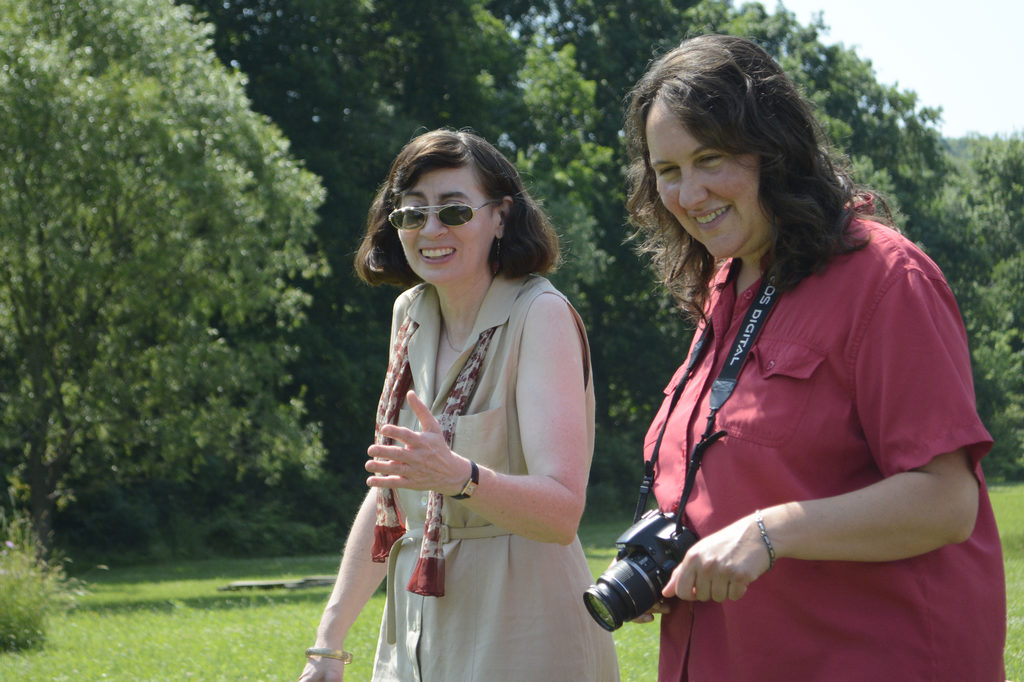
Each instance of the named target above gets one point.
<point>649,550</point>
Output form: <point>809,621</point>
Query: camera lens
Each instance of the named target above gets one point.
<point>624,592</point>
<point>596,600</point>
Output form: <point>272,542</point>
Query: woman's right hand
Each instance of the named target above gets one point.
<point>320,669</point>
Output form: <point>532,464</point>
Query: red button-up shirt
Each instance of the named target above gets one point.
<point>859,373</point>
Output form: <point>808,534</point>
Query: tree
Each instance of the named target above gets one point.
<point>152,230</point>
<point>985,202</point>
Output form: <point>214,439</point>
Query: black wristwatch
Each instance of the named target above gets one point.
<point>470,487</point>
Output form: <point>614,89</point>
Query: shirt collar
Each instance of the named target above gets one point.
<point>494,311</point>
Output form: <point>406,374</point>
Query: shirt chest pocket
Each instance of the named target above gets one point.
<point>774,394</point>
<point>483,438</point>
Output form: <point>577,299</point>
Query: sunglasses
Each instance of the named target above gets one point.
<point>451,215</point>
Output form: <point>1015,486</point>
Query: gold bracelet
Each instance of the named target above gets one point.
<point>324,652</point>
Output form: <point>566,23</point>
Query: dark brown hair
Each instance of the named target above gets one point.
<point>732,96</point>
<point>529,243</point>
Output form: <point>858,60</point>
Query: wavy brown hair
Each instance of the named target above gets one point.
<point>732,96</point>
<point>529,244</point>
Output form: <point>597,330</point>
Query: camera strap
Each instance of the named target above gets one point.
<point>721,390</point>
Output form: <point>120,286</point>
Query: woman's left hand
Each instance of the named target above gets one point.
<point>418,460</point>
<point>722,565</point>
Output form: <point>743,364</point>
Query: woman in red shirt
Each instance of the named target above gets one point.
<point>852,446</point>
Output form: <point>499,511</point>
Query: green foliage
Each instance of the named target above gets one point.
<point>986,202</point>
<point>560,103</point>
<point>213,515</point>
<point>32,590</point>
<point>152,229</point>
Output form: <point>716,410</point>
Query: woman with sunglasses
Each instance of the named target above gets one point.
<point>844,528</point>
<point>484,437</point>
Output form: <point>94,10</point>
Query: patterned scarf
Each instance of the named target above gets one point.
<point>428,575</point>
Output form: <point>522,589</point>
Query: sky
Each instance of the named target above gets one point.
<point>961,55</point>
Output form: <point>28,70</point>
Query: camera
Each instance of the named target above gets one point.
<point>648,552</point>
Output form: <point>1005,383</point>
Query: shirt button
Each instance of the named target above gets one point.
<point>424,498</point>
<point>771,363</point>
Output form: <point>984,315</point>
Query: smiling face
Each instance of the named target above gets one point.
<point>452,258</point>
<point>713,194</point>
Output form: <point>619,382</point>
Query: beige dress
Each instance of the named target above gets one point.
<point>513,608</point>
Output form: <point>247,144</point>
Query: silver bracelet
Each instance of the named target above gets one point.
<point>325,652</point>
<point>767,540</point>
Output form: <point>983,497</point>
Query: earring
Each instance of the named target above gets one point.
<point>496,260</point>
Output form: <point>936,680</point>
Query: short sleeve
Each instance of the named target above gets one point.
<point>912,371</point>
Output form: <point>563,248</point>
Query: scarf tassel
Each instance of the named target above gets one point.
<point>384,538</point>
<point>428,577</point>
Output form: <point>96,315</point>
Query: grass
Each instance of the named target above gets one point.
<point>170,622</point>
<point>1008,502</point>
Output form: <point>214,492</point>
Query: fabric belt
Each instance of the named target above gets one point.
<point>416,534</point>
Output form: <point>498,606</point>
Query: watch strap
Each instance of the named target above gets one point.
<point>470,487</point>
